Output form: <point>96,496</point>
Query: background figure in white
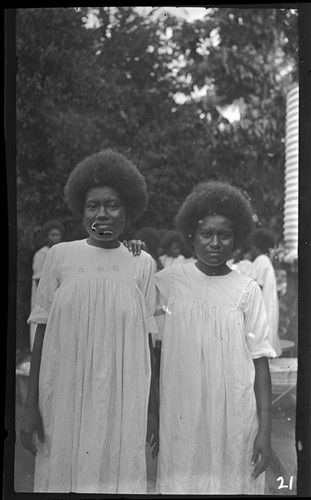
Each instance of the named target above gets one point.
<point>239,261</point>
<point>262,270</point>
<point>172,245</point>
<point>51,233</point>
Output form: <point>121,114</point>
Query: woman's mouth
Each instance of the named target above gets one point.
<point>101,229</point>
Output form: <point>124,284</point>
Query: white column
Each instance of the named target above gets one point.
<point>291,174</point>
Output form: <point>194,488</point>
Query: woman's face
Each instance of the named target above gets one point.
<point>213,243</point>
<point>104,216</point>
<point>54,236</point>
<point>174,250</point>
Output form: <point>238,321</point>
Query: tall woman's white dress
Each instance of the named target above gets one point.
<point>212,329</point>
<point>95,370</point>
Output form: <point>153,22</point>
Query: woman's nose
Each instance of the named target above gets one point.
<point>102,212</point>
<point>215,241</point>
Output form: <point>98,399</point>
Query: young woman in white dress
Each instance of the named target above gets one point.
<point>215,387</point>
<point>89,391</point>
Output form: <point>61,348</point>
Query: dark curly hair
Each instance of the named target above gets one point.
<point>51,224</point>
<point>263,239</point>
<point>108,168</point>
<point>46,228</point>
<point>214,197</point>
<point>169,237</point>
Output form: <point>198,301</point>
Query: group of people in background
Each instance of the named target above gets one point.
<point>102,305</point>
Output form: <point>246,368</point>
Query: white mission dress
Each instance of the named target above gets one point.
<point>212,329</point>
<point>262,271</point>
<point>95,370</point>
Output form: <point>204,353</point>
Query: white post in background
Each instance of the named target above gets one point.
<point>291,213</point>
<point>291,175</point>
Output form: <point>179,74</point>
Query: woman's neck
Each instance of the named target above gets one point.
<point>221,270</point>
<point>103,244</point>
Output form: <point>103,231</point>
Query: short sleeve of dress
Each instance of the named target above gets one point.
<point>46,289</point>
<point>256,324</point>
<point>149,291</point>
<point>38,262</point>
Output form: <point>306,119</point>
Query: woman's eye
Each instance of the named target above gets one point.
<point>90,206</point>
<point>225,236</point>
<point>206,235</point>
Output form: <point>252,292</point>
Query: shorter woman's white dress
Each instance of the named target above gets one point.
<point>98,305</point>
<point>213,328</point>
<point>262,271</point>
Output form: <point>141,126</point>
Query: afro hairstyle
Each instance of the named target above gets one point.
<point>169,237</point>
<point>42,234</point>
<point>111,169</point>
<point>215,198</point>
<point>51,224</point>
<point>263,239</point>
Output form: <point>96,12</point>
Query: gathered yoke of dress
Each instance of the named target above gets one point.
<point>98,306</point>
<point>212,329</point>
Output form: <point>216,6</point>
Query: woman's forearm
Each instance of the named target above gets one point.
<point>263,393</point>
<point>153,404</point>
<point>32,397</point>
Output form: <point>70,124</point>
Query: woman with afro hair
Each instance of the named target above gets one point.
<point>88,395</point>
<point>215,386</point>
<point>172,245</point>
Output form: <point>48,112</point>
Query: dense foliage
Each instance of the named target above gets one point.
<point>82,87</point>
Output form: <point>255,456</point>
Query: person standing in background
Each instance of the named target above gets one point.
<point>239,260</point>
<point>172,245</point>
<point>51,233</point>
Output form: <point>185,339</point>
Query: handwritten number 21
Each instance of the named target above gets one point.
<point>283,485</point>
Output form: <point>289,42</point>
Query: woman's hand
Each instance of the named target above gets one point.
<point>153,433</point>
<point>135,246</point>
<point>261,453</point>
<point>31,423</point>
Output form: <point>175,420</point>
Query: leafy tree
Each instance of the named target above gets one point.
<point>246,57</point>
